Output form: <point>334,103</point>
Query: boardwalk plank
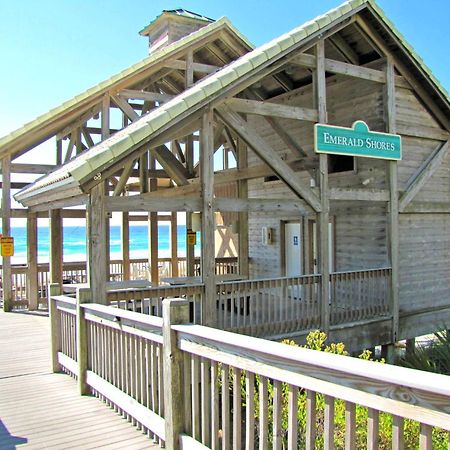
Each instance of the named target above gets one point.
<point>39,409</point>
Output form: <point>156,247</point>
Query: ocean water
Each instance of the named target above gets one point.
<point>75,242</point>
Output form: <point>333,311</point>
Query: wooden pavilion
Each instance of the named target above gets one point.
<point>372,253</point>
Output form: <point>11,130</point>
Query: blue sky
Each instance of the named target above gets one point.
<point>52,50</point>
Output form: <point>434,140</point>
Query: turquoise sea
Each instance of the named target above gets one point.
<point>75,242</point>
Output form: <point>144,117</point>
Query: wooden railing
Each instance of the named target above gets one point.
<point>149,300</point>
<point>269,306</point>
<point>189,385</point>
<point>359,295</point>
<point>75,272</point>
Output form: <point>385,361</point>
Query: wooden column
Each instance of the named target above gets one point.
<point>174,243</point>
<point>393,200</point>
<point>96,235</point>
<point>175,312</point>
<point>243,216</point>
<point>83,296</point>
<point>153,228</point>
<point>6,231</point>
<point>323,219</point>
<point>56,246</point>
<point>189,155</point>
<point>190,250</point>
<point>207,189</point>
<point>59,156</point>
<point>125,229</point>
<point>32,263</point>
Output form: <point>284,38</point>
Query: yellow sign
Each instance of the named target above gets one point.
<point>7,245</point>
<point>191,237</point>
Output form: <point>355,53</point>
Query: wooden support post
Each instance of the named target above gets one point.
<point>107,243</point>
<point>55,326</point>
<point>388,353</point>
<point>243,216</point>
<point>56,246</point>
<point>32,268</point>
<point>175,312</point>
<point>174,244</point>
<point>83,296</point>
<point>126,245</point>
<point>59,157</point>
<point>190,256</point>
<point>6,231</point>
<point>96,235</point>
<point>321,102</point>
<point>393,201</point>
<point>153,240</point>
<point>208,250</point>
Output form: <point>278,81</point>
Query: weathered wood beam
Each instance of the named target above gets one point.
<point>369,195</point>
<point>97,242</point>
<point>272,109</point>
<point>120,186</point>
<point>22,213</point>
<point>63,203</point>
<point>269,156</point>
<point>38,169</point>
<point>421,131</point>
<point>105,117</point>
<point>32,261</point>
<point>261,205</point>
<point>150,203</point>
<point>125,107</point>
<point>320,100</point>
<point>56,246</point>
<point>15,184</point>
<point>87,137</point>
<point>394,236</point>
<point>243,236</point>
<point>179,151</point>
<point>351,70</point>
<point>189,68</point>
<point>171,165</point>
<point>209,308</point>
<point>145,95</point>
<point>6,231</point>
<point>425,172</point>
<point>341,45</point>
<point>70,147</point>
<point>197,67</point>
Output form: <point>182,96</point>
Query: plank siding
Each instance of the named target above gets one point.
<point>424,261</point>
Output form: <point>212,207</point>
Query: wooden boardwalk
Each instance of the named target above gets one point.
<point>42,410</point>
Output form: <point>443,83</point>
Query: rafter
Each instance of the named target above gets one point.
<point>272,109</point>
<point>171,165</point>
<point>269,156</point>
<point>145,95</point>
<point>125,107</point>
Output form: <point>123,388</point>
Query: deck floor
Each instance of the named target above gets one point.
<point>42,410</point>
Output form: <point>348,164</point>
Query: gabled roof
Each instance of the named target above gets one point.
<point>81,103</point>
<point>116,148</point>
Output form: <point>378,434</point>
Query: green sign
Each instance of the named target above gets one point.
<point>357,141</point>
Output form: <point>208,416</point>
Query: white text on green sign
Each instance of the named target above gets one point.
<point>357,141</point>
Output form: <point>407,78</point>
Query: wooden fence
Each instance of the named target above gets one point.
<point>190,386</point>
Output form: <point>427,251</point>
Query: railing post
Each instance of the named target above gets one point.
<point>83,296</point>
<point>55,325</point>
<point>175,311</point>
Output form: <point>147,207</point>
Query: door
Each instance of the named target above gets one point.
<point>293,249</point>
